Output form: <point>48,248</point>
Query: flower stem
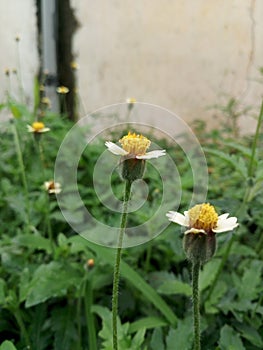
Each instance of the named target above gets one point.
<point>116,275</point>
<point>22,171</point>
<point>196,311</point>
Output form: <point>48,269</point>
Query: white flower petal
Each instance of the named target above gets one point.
<point>226,224</point>
<point>44,130</point>
<point>115,149</point>
<point>223,216</point>
<point>178,218</point>
<point>153,154</point>
<point>30,129</point>
<point>195,230</point>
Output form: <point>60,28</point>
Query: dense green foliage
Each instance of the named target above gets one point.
<point>50,296</point>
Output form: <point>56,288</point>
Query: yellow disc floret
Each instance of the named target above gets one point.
<point>203,216</point>
<point>135,144</point>
<point>38,126</point>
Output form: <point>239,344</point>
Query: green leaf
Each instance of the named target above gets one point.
<point>175,287</point>
<point>62,323</point>
<point>138,339</point>
<point>208,273</point>
<point>229,339</point>
<point>50,281</point>
<point>246,151</point>
<point>157,340</point>
<point>211,305</point>
<point>238,163</point>
<point>2,291</point>
<point>33,242</point>
<point>106,331</point>
<point>147,323</point>
<point>7,345</point>
<point>39,334</point>
<point>242,250</point>
<point>251,335</point>
<point>251,280</point>
<point>182,336</point>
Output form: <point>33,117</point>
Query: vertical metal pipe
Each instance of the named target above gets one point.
<point>49,49</point>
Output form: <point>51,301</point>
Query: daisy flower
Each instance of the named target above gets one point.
<point>37,127</point>
<point>203,219</point>
<point>62,90</point>
<point>134,146</point>
<point>52,187</point>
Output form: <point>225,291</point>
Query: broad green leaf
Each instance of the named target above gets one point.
<point>251,280</point>
<point>251,334</point>
<point>106,332</point>
<point>175,287</point>
<point>138,339</point>
<point>211,305</point>
<point>157,340</point>
<point>208,273</point>
<point>50,281</point>
<point>181,337</point>
<point>230,340</point>
<point>242,250</point>
<point>33,242</point>
<point>7,345</point>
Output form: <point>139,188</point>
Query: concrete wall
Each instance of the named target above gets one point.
<point>18,18</point>
<point>182,55</point>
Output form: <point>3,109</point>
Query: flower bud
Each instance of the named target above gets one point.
<point>132,168</point>
<point>199,248</point>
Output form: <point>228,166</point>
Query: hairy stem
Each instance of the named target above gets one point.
<point>196,309</point>
<point>116,275</point>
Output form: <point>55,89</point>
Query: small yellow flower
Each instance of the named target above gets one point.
<point>37,127</point>
<point>134,146</point>
<point>17,38</point>
<point>203,219</point>
<point>14,71</point>
<point>7,72</point>
<point>42,88</point>
<point>131,100</point>
<point>62,90</point>
<point>46,101</point>
<point>74,65</point>
<point>52,187</point>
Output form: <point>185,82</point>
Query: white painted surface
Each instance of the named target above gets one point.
<point>182,55</point>
<point>18,18</point>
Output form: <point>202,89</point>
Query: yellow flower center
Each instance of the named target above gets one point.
<point>203,216</point>
<point>131,100</point>
<point>37,126</point>
<point>62,90</point>
<point>135,144</point>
